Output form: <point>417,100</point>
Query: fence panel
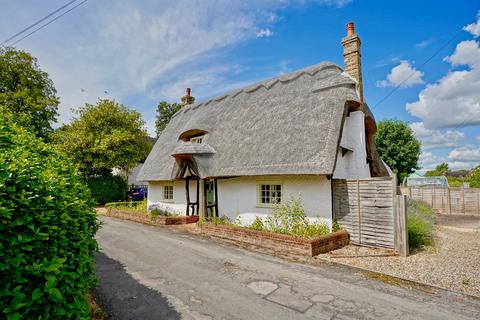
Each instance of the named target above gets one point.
<point>366,209</point>
<point>455,201</point>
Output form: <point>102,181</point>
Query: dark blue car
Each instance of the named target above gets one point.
<point>137,194</point>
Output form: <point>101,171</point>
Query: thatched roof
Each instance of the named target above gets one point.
<point>290,124</point>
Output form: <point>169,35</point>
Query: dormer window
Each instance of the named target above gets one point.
<point>193,135</point>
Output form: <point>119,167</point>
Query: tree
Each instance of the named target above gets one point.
<point>27,91</point>
<point>165,112</point>
<point>474,178</point>
<point>47,229</point>
<point>102,137</point>
<point>440,170</point>
<point>398,147</point>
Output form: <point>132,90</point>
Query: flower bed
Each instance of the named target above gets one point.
<point>149,219</point>
<point>282,243</point>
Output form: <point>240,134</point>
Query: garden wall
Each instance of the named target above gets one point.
<point>147,219</point>
<point>278,242</point>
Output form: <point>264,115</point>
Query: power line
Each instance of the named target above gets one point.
<point>46,24</point>
<point>37,22</point>
<point>419,68</point>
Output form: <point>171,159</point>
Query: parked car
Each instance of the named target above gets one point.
<point>137,194</point>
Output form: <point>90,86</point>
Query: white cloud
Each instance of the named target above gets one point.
<point>264,33</point>
<point>466,153</point>
<point>424,43</point>
<point>428,161</point>
<point>478,139</point>
<point>142,50</point>
<point>436,139</point>
<point>474,28</point>
<point>404,75</point>
<point>455,99</point>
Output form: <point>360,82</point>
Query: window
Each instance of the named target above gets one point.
<point>198,139</point>
<point>269,193</point>
<point>168,193</point>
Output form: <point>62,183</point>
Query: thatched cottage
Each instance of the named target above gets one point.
<point>282,138</point>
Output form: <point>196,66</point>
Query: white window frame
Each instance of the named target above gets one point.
<point>260,194</point>
<point>198,139</point>
<point>167,195</point>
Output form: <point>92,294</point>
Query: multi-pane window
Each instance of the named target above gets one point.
<point>197,139</point>
<point>270,193</point>
<point>168,193</point>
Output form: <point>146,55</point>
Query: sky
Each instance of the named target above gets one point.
<point>420,59</point>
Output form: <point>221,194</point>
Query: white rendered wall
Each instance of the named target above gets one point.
<point>239,195</point>
<point>354,164</point>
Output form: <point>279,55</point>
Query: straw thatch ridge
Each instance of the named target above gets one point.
<point>290,124</point>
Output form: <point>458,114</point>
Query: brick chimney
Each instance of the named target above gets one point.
<point>187,98</point>
<point>352,57</point>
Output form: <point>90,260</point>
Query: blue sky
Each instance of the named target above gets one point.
<point>142,52</point>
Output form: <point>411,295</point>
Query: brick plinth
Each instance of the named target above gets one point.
<point>281,243</point>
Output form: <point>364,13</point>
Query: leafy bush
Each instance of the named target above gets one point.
<point>136,206</point>
<point>420,224</point>
<point>107,188</point>
<point>159,212</point>
<point>47,228</point>
<point>289,218</point>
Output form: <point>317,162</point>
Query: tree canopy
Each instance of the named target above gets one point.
<point>165,112</point>
<point>440,170</point>
<point>398,147</point>
<point>104,136</point>
<point>27,91</point>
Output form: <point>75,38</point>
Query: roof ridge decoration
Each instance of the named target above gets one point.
<point>270,83</point>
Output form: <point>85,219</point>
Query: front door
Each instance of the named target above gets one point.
<point>211,197</point>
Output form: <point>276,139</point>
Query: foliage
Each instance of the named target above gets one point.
<point>159,212</point>
<point>106,188</point>
<point>47,228</point>
<point>135,206</point>
<point>440,170</point>
<point>257,224</point>
<point>165,112</point>
<point>27,91</point>
<point>289,218</point>
<point>455,181</point>
<point>104,136</point>
<point>336,226</point>
<point>398,147</point>
<point>420,224</point>
<point>474,178</point>
<point>223,220</point>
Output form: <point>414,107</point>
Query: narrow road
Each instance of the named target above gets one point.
<point>152,273</point>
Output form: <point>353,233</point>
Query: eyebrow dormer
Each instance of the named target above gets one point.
<point>193,135</point>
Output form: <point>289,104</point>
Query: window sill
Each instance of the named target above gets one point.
<point>268,206</point>
<point>167,201</point>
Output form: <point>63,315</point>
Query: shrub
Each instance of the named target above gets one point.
<point>159,212</point>
<point>289,218</point>
<point>420,224</point>
<point>107,188</point>
<point>47,228</point>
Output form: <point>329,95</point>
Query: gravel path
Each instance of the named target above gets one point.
<point>454,262</point>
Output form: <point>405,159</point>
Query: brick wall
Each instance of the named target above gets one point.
<point>279,242</point>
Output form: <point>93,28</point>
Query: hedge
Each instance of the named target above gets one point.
<point>47,228</point>
<point>107,188</point>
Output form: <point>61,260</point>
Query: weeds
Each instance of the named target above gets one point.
<point>420,224</point>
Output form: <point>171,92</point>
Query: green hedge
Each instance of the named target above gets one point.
<point>107,188</point>
<point>47,228</point>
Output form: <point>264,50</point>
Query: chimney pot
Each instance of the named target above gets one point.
<point>187,92</point>
<point>350,29</point>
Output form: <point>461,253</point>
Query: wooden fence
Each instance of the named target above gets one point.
<point>447,200</point>
<point>372,212</point>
